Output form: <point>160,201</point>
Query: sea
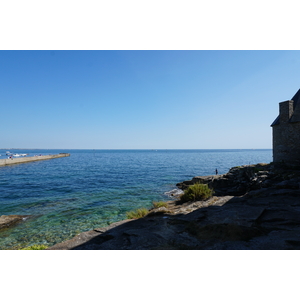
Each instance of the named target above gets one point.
<point>94,188</point>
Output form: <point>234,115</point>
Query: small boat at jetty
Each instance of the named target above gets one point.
<point>18,155</point>
<point>15,154</point>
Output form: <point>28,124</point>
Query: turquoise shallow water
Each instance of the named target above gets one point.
<point>93,188</point>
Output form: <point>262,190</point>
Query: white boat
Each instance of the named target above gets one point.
<point>18,155</point>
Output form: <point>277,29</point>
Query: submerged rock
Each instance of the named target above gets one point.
<point>10,220</point>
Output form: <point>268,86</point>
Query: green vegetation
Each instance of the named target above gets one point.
<point>196,192</point>
<point>138,213</point>
<point>159,204</point>
<point>35,247</point>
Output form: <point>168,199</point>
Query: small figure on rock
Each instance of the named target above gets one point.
<point>216,171</point>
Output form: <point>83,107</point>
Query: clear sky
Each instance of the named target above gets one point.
<point>143,99</point>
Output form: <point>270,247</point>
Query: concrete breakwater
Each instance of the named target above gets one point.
<point>20,160</point>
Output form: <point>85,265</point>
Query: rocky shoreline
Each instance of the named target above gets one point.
<point>253,207</point>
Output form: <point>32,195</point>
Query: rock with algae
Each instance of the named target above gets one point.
<point>10,220</point>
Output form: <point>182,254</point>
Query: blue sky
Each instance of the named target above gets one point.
<point>143,99</point>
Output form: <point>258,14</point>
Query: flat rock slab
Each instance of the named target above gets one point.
<point>10,220</point>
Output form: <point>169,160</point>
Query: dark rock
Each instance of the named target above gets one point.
<point>287,184</point>
<point>236,182</point>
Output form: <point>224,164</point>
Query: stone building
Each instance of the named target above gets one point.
<point>286,132</point>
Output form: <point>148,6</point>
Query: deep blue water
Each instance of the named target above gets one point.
<point>93,188</point>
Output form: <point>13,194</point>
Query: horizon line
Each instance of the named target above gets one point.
<point>136,149</point>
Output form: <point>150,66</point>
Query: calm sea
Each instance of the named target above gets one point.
<point>93,188</point>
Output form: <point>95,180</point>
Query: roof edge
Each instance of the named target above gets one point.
<point>276,122</point>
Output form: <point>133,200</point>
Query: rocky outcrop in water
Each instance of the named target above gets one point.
<point>238,181</point>
<point>254,207</point>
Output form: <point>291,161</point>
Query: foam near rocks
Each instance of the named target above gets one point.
<point>174,193</point>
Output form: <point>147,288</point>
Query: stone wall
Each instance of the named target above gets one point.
<point>286,136</point>
<point>285,111</point>
<point>286,143</point>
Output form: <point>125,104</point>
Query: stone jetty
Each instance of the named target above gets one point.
<point>20,160</point>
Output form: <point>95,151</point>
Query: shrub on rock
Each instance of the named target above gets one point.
<point>138,213</point>
<point>196,192</point>
<point>159,204</point>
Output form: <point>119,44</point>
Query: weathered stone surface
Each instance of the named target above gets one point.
<point>264,217</point>
<point>10,220</point>
<point>286,129</point>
